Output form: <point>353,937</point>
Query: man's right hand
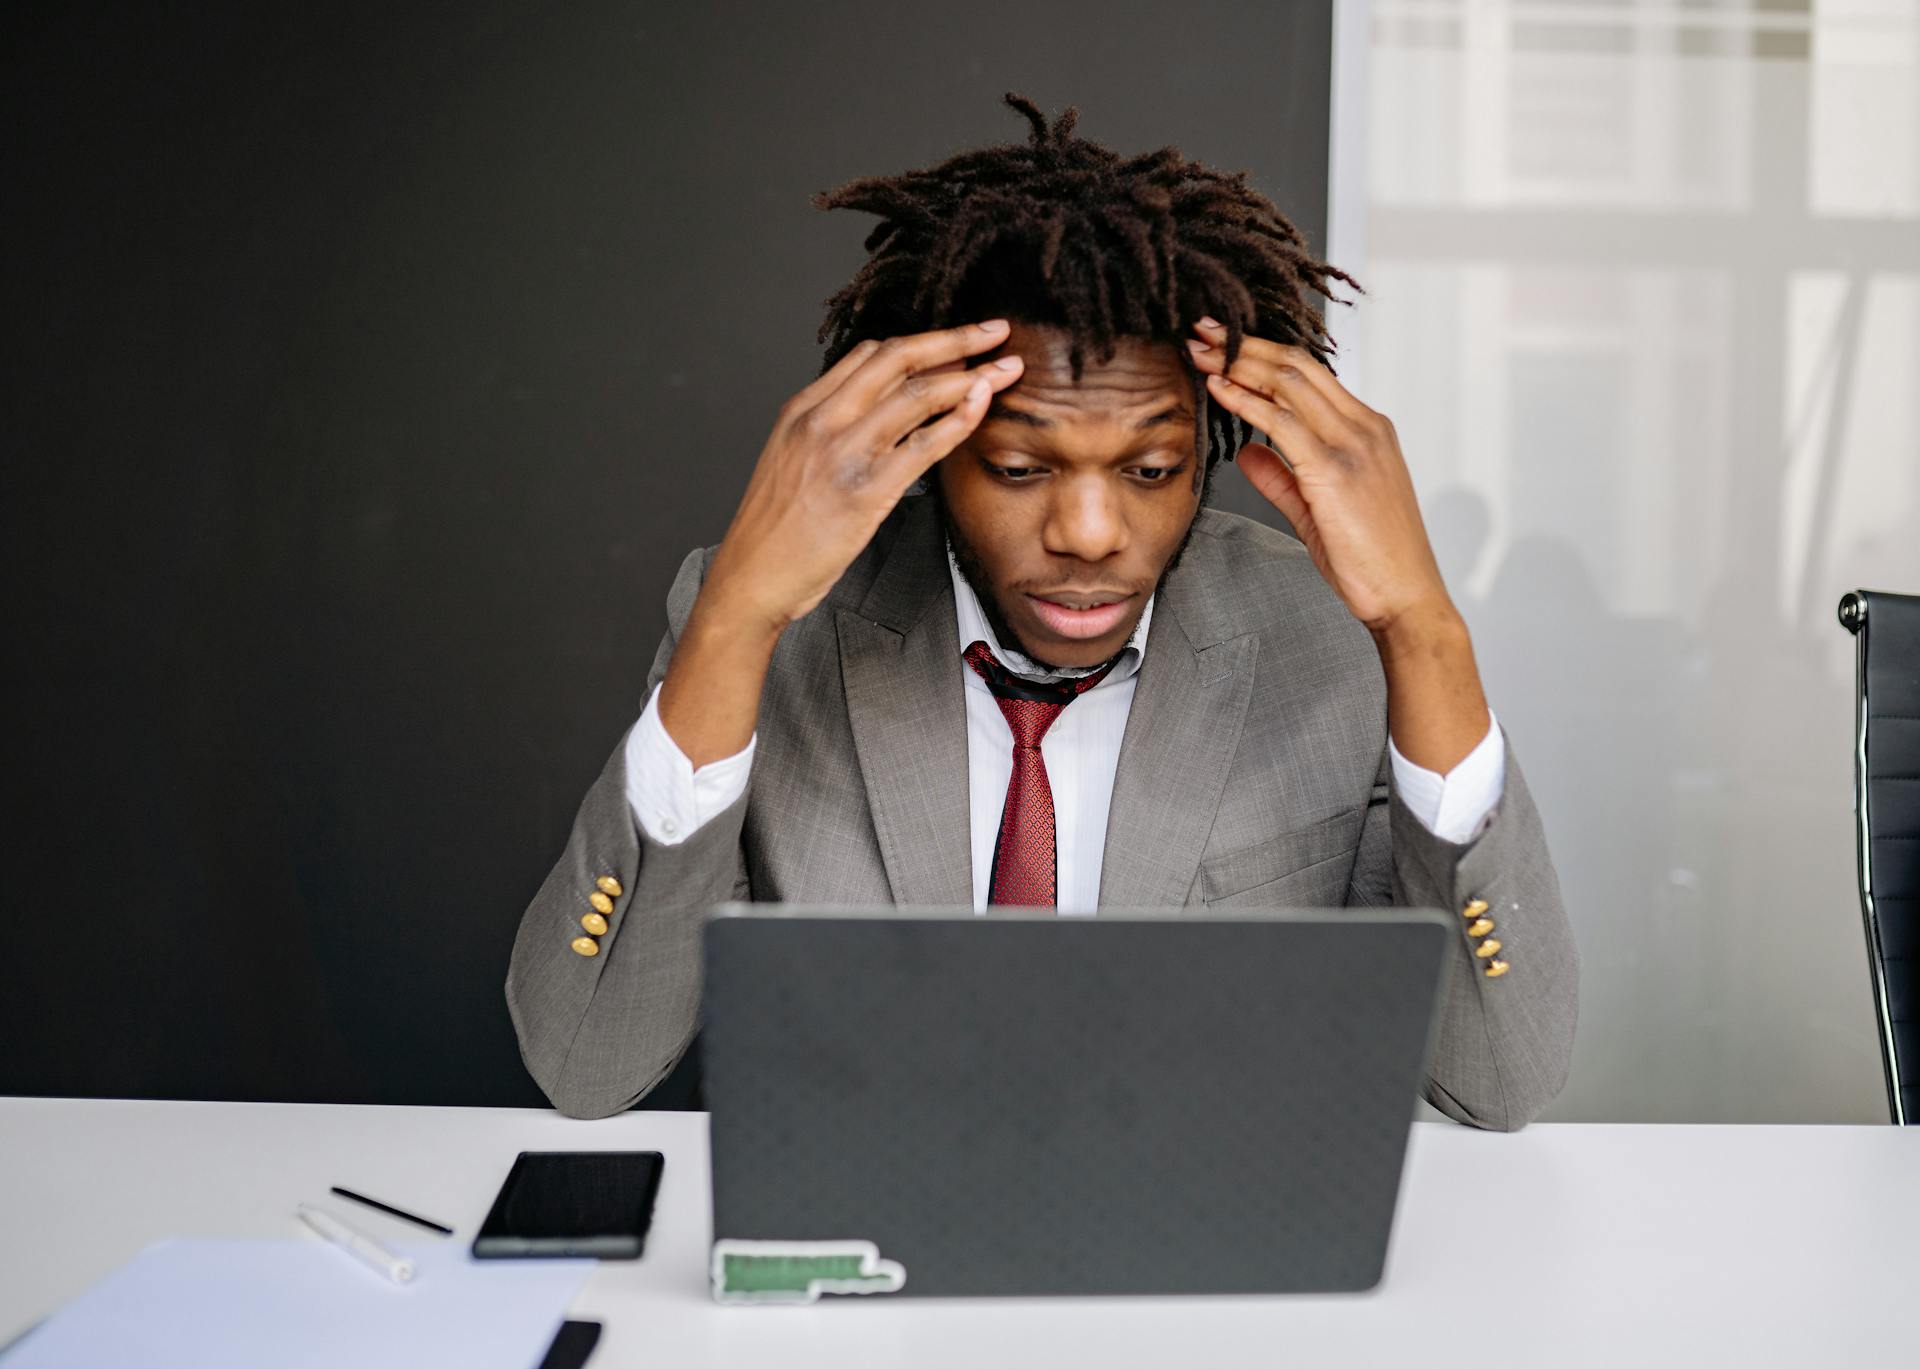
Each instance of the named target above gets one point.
<point>842,453</point>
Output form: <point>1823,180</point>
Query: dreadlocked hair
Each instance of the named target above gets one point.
<point>1065,232</point>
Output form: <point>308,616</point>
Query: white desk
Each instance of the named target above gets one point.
<point>1562,1245</point>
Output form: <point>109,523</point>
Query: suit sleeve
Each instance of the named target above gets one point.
<point>1502,1045</point>
<point>597,1032</point>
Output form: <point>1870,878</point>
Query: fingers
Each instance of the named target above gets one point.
<point>1266,470</point>
<point>920,396</point>
<point>1304,450</point>
<point>1289,391</point>
<point>1292,374</point>
<point>833,377</point>
<point>894,359</point>
<point>919,450</point>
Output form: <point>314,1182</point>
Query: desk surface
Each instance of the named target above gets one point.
<point>1563,1245</point>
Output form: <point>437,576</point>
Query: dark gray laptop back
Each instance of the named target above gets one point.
<point>1024,1105</point>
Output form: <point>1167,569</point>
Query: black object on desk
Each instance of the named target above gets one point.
<point>572,1345</point>
<point>391,1211</point>
<point>1147,1101</point>
<point>595,1203</point>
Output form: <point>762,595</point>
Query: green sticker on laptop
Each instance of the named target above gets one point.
<point>800,1271</point>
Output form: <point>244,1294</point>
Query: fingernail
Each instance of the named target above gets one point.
<point>1208,321</point>
<point>1197,345</point>
<point>1008,363</point>
<point>994,325</point>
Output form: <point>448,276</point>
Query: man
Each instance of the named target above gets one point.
<point>1055,677</point>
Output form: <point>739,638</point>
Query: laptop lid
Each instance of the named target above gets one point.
<point>937,1103</point>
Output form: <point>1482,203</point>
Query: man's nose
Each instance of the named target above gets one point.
<point>1085,520</point>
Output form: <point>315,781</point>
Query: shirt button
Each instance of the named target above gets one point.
<point>670,827</point>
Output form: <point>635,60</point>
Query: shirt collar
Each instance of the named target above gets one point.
<point>974,628</point>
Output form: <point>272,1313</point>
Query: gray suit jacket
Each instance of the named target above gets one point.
<point>1253,772</point>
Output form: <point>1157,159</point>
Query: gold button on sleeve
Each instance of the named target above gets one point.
<point>1474,909</point>
<point>1496,968</point>
<point>585,945</point>
<point>601,903</point>
<point>594,923</point>
<point>1480,927</point>
<point>1490,946</point>
<point>608,885</point>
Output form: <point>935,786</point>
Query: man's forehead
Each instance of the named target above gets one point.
<point>1141,383</point>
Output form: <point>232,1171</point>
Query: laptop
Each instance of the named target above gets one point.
<point>936,1103</point>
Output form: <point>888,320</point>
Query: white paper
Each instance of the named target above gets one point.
<point>207,1304</point>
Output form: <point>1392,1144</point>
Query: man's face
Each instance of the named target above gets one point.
<point>1068,501</point>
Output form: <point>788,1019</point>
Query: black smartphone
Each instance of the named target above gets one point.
<point>594,1203</point>
<point>572,1345</point>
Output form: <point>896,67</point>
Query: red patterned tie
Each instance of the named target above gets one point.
<point>1025,860</point>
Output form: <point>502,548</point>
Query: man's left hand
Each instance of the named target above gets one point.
<point>1338,478</point>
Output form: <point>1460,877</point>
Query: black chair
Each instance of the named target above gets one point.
<point>1886,805</point>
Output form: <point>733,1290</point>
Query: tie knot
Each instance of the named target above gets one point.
<point>1029,706</point>
<point>1029,720</point>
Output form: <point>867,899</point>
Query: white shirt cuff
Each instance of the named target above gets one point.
<point>1455,806</point>
<point>669,798</point>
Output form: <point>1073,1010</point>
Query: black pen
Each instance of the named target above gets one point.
<point>393,1211</point>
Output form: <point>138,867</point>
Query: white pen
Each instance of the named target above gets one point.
<point>362,1247</point>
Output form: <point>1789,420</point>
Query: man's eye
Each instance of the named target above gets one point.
<point>1014,473</point>
<point>1157,475</point>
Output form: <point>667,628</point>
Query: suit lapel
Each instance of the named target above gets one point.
<point>900,666</point>
<point>1182,732</point>
<point>906,702</point>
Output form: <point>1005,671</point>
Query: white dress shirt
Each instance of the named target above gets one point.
<point>671,800</point>
<point>1081,749</point>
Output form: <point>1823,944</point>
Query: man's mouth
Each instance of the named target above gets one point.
<point>1081,614</point>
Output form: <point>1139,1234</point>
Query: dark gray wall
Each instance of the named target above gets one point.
<point>369,374</point>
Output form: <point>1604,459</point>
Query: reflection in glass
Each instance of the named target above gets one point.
<point>1644,304</point>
